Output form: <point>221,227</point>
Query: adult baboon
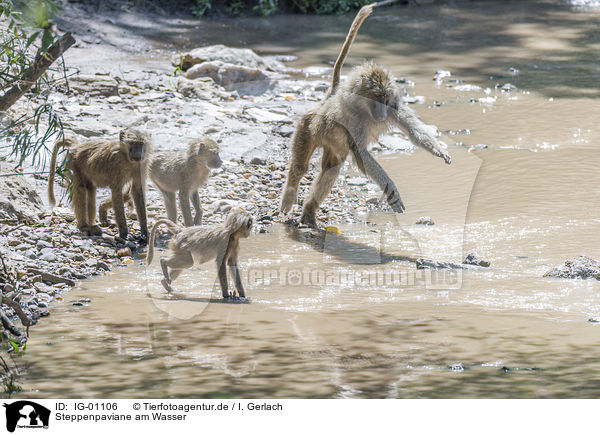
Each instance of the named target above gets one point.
<point>199,244</point>
<point>105,163</point>
<point>183,171</point>
<point>351,117</point>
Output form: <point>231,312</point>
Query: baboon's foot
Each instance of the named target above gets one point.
<point>166,285</point>
<point>90,230</point>
<point>95,230</point>
<point>288,199</point>
<point>142,239</point>
<point>309,218</point>
<point>165,270</point>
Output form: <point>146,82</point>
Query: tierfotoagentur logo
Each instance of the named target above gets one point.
<point>25,414</point>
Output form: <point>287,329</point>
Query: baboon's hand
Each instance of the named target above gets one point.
<point>435,147</point>
<point>393,198</point>
<point>446,157</point>
<point>287,200</point>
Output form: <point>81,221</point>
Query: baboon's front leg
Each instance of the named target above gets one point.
<point>330,169</point>
<point>119,209</point>
<point>139,200</point>
<point>235,275</point>
<point>419,133</point>
<point>302,149</point>
<point>170,205</point>
<point>222,265</point>
<point>378,174</point>
<point>184,203</point>
<point>198,207</point>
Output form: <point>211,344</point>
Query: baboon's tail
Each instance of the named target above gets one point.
<point>59,143</point>
<point>361,16</point>
<point>172,227</point>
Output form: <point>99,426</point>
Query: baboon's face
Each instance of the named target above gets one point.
<point>137,150</point>
<point>247,228</point>
<point>135,144</point>
<point>213,160</point>
<point>377,88</point>
<point>378,109</point>
<point>209,152</point>
<point>381,103</point>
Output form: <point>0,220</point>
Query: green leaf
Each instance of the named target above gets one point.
<point>31,38</point>
<point>47,40</point>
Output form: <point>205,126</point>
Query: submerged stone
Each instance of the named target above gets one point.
<point>579,267</point>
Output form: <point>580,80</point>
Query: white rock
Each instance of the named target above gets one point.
<point>262,115</point>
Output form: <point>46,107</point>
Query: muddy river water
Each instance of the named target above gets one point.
<point>333,318</point>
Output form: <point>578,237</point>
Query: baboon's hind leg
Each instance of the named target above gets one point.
<point>79,202</point>
<point>330,169</point>
<point>103,212</point>
<point>173,266</point>
<point>106,205</point>
<point>95,230</point>
<point>302,149</point>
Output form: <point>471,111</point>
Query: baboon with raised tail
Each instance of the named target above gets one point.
<point>353,115</point>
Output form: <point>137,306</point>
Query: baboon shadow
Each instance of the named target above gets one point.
<point>358,253</point>
<point>343,249</point>
<point>178,296</point>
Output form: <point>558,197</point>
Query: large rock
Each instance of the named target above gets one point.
<point>578,267</point>
<point>226,74</point>
<point>236,56</point>
<point>203,88</point>
<point>94,85</point>
<point>18,199</point>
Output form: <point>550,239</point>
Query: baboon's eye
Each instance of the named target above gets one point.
<point>249,223</point>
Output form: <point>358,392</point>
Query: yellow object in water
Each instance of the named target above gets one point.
<point>334,230</point>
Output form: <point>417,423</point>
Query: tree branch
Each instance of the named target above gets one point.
<point>33,73</point>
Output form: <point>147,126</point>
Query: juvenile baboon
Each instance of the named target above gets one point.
<point>198,245</point>
<point>105,163</point>
<point>183,171</point>
<point>351,117</point>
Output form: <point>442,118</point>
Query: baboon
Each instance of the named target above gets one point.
<point>351,117</point>
<point>198,245</point>
<point>183,171</point>
<point>105,163</point>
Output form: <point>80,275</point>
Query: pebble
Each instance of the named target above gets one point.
<point>49,257</point>
<point>124,252</point>
<point>425,220</point>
